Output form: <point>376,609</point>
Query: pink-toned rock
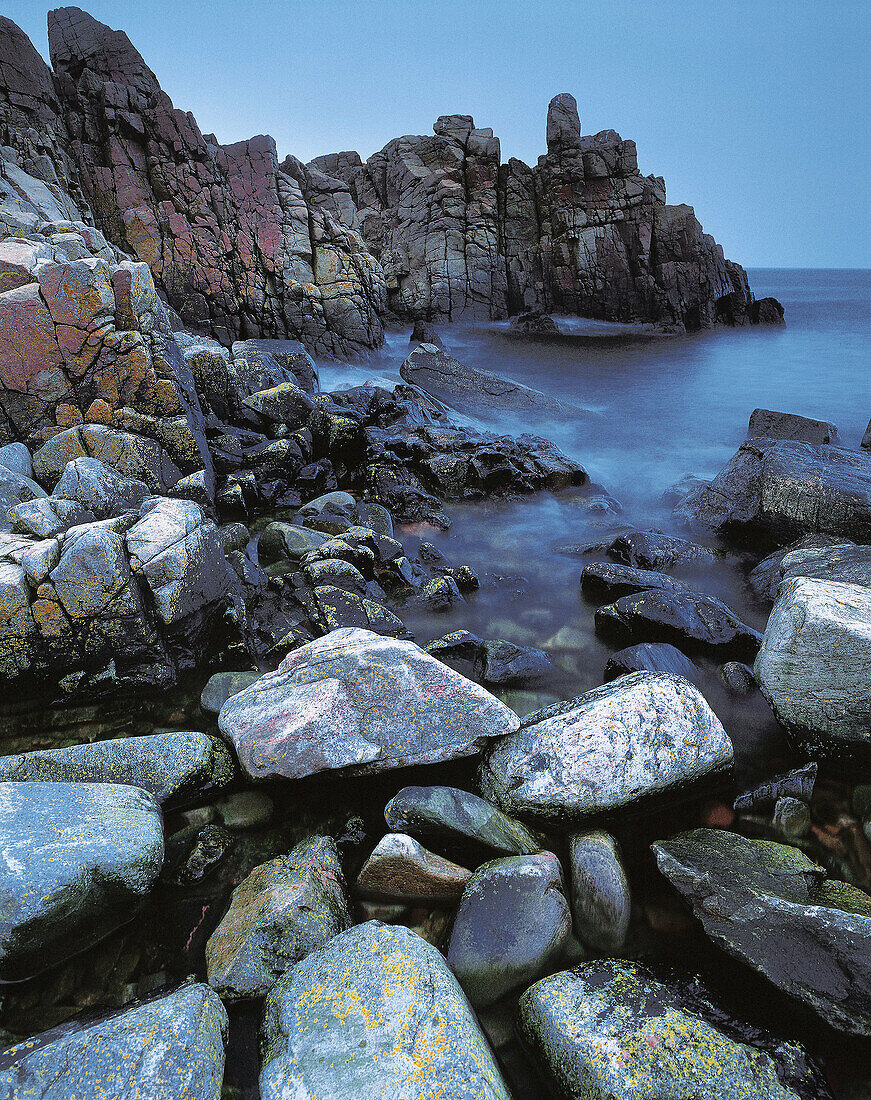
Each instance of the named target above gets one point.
<point>399,869</point>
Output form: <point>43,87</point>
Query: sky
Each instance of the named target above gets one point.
<point>756,113</point>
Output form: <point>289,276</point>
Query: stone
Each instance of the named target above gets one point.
<point>450,815</point>
<point>813,667</point>
<point>282,404</point>
<point>221,686</point>
<point>173,767</point>
<point>839,561</point>
<point>99,489</point>
<point>644,734</point>
<point>245,809</point>
<point>16,489</point>
<point>283,541</point>
<point>511,665</point>
<point>15,457</point>
<point>534,322</point>
<point>440,374</point>
<point>600,897</point>
<point>425,333</point>
<point>281,912</point>
<point>78,859</point>
<point>651,657</point>
<point>738,678</point>
<point>795,784</point>
<point>608,1030</point>
<point>168,1045</point>
<point>131,456</point>
<point>48,516</point>
<point>512,923</point>
<point>290,355</point>
<point>792,817</point>
<point>777,425</point>
<point>603,581</point>
<point>775,909</point>
<point>660,553</point>
<point>374,1013</point>
<point>359,702</point>
<point>399,869</point>
<point>690,620</point>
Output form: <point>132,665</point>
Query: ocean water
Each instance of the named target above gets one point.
<point>652,408</point>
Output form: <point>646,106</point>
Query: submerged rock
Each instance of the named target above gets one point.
<point>643,734</point>
<point>399,869</point>
<point>601,901</point>
<point>813,667</point>
<point>608,1030</point>
<point>451,815</point>
<point>171,766</point>
<point>691,620</point>
<point>659,552</point>
<point>798,783</point>
<point>775,909</point>
<point>512,922</point>
<point>284,910</point>
<point>501,662</point>
<point>357,701</point>
<point>651,657</point>
<point>78,858</point>
<point>168,1046</point>
<point>375,1013</point>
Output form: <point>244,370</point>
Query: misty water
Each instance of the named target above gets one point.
<point>652,409</point>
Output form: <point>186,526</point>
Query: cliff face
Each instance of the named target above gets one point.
<point>434,228</point>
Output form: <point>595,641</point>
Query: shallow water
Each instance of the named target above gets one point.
<point>653,409</point>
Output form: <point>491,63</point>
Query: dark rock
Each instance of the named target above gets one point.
<point>777,425</point>
<point>773,908</point>
<point>644,734</point>
<point>170,1045</point>
<point>660,553</point>
<point>534,322</point>
<point>765,311</point>
<point>798,783</point>
<point>651,657</point>
<point>389,1020</point>
<point>425,333</point>
<point>458,645</point>
<point>511,665</point>
<point>738,678</point>
<point>512,923</point>
<point>79,857</point>
<point>284,910</point>
<point>601,581</point>
<point>453,816</point>
<point>792,818</point>
<point>600,896</point>
<point>695,622</point>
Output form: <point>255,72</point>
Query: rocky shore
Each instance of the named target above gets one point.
<point>265,835</point>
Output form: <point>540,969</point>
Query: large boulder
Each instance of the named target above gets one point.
<point>778,425</point>
<point>512,922</point>
<point>773,908</point>
<point>359,702</point>
<point>609,1030</point>
<point>651,657</point>
<point>781,491</point>
<point>435,371</point>
<point>284,910</point>
<point>813,667</point>
<point>374,1013</point>
<point>79,858</point>
<point>169,1045</point>
<point>643,734</point>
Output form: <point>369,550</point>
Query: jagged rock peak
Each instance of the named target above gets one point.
<point>563,123</point>
<point>76,40</point>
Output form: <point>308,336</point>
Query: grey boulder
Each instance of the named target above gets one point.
<point>600,896</point>
<point>374,1013</point>
<point>644,734</point>
<point>77,860</point>
<point>100,489</point>
<point>356,701</point>
<point>772,907</point>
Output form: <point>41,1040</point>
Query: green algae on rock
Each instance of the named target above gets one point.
<point>607,1030</point>
<point>375,1013</point>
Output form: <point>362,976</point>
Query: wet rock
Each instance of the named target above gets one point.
<point>792,818</point>
<point>168,1045</point>
<point>438,373</point>
<point>359,702</point>
<point>399,869</point>
<point>425,333</point>
<point>692,621</point>
<point>798,783</point>
<point>738,678</point>
<point>813,667</point>
<point>290,356</point>
<point>651,657</point>
<point>815,556</point>
<point>512,923</point>
<point>779,491</point>
<point>450,815</point>
<point>602,581</point>
<point>459,645</point>
<point>221,686</point>
<point>778,425</point>
<point>773,908</point>
<point>285,541</point>
<point>534,322</point>
<point>660,553</point>
<point>644,734</point>
<point>608,1030</point>
<point>600,897</point>
<point>79,857</point>
<point>282,404</point>
<point>375,1013</point>
<point>501,662</point>
<point>172,767</point>
<point>284,910</point>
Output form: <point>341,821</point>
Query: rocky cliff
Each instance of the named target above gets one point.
<point>242,244</point>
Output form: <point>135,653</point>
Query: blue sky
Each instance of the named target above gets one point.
<point>756,113</point>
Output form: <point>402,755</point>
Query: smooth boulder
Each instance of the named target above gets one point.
<point>777,911</point>
<point>644,734</point>
<point>356,701</point>
<point>600,896</point>
<point>374,1013</point>
<point>651,657</point>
